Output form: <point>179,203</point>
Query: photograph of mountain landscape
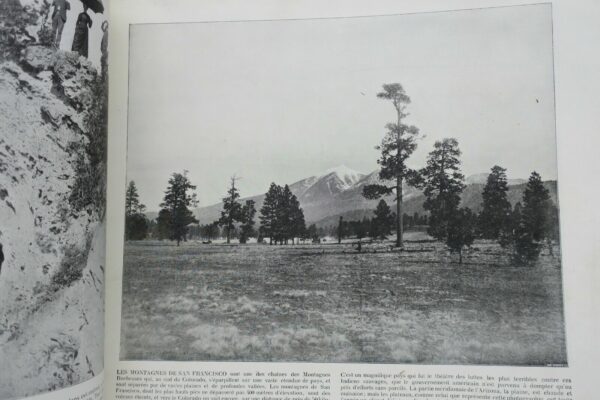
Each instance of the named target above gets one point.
<point>368,189</point>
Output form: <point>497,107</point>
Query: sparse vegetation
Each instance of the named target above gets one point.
<point>322,302</point>
<point>71,266</point>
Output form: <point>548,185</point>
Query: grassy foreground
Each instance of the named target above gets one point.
<point>327,303</point>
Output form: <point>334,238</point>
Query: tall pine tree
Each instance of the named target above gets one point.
<point>136,223</point>
<point>232,210</point>
<point>443,184</point>
<point>268,212</point>
<point>297,219</point>
<point>281,216</point>
<point>283,224</point>
<point>175,206</point>
<point>536,203</point>
<point>247,219</point>
<point>398,144</point>
<point>496,207</point>
<point>533,227</point>
<point>132,200</point>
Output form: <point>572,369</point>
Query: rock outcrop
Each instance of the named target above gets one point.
<point>52,273</point>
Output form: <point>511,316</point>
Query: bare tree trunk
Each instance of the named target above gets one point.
<point>399,216</point>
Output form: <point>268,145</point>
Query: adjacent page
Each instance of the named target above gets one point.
<point>318,204</point>
<point>53,131</point>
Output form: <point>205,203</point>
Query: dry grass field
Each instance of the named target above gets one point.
<point>328,303</point>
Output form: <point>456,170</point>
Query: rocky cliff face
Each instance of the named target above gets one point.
<point>51,278</point>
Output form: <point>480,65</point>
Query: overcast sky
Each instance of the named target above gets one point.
<point>284,100</point>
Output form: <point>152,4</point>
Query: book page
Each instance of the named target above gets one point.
<point>347,202</point>
<point>53,131</point>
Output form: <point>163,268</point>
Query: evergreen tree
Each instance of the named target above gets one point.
<point>536,205</point>
<point>496,207</point>
<point>176,203</point>
<point>443,184</point>
<point>398,144</point>
<point>297,219</point>
<point>526,248</point>
<point>136,223</point>
<point>132,200</point>
<point>383,221</point>
<point>136,227</point>
<point>533,226</point>
<point>340,230</point>
<point>232,210</point>
<point>163,225</point>
<point>461,231</point>
<point>268,212</point>
<point>247,219</point>
<point>283,221</point>
<point>281,216</point>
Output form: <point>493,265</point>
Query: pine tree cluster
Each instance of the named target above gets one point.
<point>281,217</point>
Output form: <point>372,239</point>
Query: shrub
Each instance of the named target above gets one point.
<point>71,266</point>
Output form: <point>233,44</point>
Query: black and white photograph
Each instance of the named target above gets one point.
<point>375,189</point>
<point>53,109</point>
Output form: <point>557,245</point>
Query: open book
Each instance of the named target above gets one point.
<point>303,203</point>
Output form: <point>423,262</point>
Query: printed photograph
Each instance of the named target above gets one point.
<point>53,98</point>
<point>362,190</point>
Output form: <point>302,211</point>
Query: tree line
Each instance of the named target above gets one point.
<point>379,226</point>
<point>281,217</point>
<point>523,228</point>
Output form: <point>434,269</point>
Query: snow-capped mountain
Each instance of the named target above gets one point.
<point>330,183</point>
<point>346,175</point>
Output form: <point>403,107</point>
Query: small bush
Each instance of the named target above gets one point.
<point>71,266</point>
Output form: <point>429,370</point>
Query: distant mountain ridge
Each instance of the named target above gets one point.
<point>338,192</point>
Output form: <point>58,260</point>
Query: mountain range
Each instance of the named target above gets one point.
<point>338,192</point>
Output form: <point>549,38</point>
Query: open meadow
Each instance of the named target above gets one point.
<point>328,303</point>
